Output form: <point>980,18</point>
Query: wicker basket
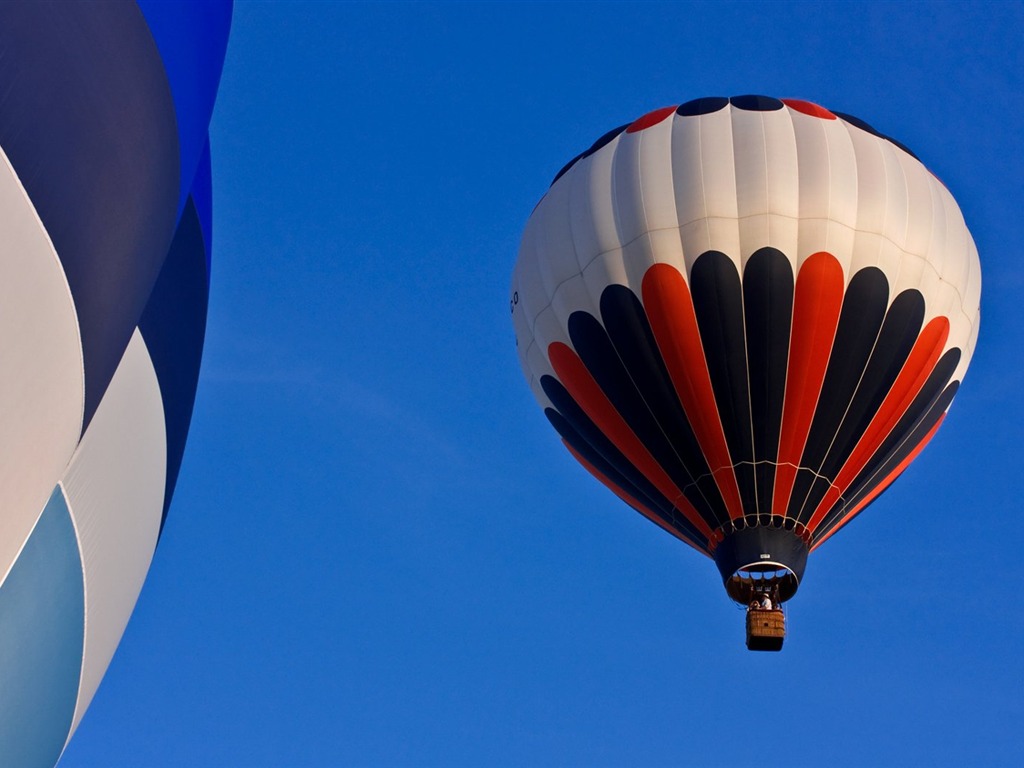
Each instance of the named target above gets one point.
<point>765,630</point>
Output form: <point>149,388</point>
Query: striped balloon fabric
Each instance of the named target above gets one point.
<point>105,213</point>
<point>746,317</point>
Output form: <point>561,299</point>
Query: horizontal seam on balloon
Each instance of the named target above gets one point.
<point>756,464</point>
<point>533,322</point>
<point>798,219</point>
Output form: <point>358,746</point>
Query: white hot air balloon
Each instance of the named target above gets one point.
<point>746,317</point>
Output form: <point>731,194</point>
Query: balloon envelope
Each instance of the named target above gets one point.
<point>746,317</point>
<point>105,214</point>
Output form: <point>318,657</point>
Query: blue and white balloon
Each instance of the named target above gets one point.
<point>104,279</point>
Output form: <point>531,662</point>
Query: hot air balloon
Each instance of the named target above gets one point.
<point>746,317</point>
<point>105,217</point>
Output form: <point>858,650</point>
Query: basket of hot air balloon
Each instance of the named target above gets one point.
<point>766,629</point>
<point>746,317</point>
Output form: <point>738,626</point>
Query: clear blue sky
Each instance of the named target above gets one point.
<point>379,553</point>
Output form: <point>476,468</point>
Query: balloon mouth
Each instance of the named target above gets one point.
<point>762,578</point>
<point>759,560</point>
